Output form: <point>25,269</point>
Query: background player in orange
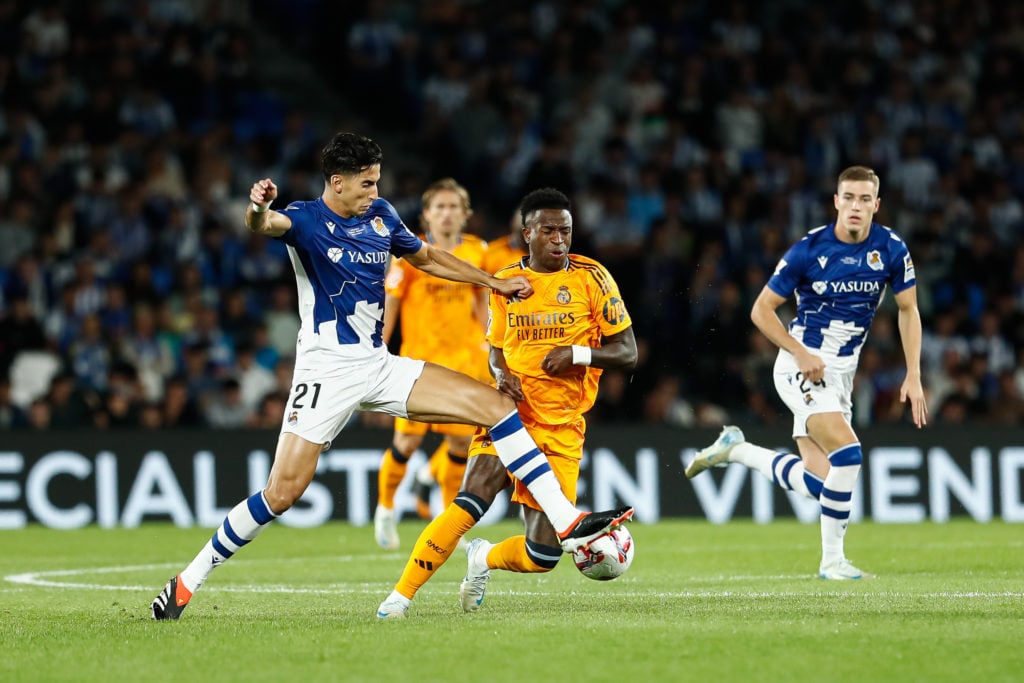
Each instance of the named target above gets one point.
<point>442,322</point>
<point>547,353</point>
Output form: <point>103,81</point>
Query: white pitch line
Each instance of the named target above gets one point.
<point>45,579</point>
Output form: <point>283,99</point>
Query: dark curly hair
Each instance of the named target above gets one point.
<point>544,198</point>
<point>348,153</point>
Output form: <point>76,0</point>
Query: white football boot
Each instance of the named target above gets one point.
<point>717,454</point>
<point>394,607</point>
<point>842,570</point>
<point>473,587</point>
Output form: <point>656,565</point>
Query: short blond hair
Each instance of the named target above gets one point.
<point>857,173</point>
<point>451,185</point>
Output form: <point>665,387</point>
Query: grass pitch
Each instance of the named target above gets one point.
<point>737,602</point>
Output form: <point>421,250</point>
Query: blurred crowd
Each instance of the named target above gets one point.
<point>697,140</point>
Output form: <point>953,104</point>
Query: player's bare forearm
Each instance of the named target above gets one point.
<point>440,263</point>
<point>617,352</point>
<point>765,316</point>
<point>909,322</point>
<point>506,382</point>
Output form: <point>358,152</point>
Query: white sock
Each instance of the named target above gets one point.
<point>244,522</point>
<point>519,454</point>
<point>837,499</point>
<point>785,469</point>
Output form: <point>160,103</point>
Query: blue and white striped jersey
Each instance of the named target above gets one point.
<point>340,265</point>
<point>838,286</point>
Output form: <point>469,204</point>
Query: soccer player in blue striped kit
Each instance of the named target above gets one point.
<point>838,273</point>
<point>340,245</point>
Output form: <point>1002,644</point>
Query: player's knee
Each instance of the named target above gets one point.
<point>498,407</point>
<point>282,495</point>
<point>476,506</point>
<point>403,446</point>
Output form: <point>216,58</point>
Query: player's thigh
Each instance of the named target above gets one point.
<point>830,431</point>
<point>294,466</point>
<point>804,398</point>
<point>443,395</point>
<point>322,399</point>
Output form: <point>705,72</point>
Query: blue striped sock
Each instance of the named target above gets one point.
<point>837,500</point>
<point>788,472</point>
<point>519,454</point>
<point>243,523</point>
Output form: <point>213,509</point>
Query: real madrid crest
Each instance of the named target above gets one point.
<point>563,296</point>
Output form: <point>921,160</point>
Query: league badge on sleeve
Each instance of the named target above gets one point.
<point>908,268</point>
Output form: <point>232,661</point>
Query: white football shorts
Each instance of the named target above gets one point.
<point>328,389</point>
<point>803,398</point>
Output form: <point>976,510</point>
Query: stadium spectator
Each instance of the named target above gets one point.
<point>72,171</point>
<point>225,409</point>
<point>255,381</point>
<point>11,415</point>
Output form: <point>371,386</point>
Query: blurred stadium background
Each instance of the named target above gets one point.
<point>697,140</point>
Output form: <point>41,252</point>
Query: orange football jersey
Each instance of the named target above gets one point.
<point>501,253</point>
<point>437,317</point>
<point>578,305</point>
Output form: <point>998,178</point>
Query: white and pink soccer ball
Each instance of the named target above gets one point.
<point>606,557</point>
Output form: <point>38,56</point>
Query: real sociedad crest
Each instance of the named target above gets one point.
<point>378,226</point>
<point>875,260</point>
<point>819,287</point>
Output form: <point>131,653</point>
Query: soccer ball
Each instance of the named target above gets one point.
<point>606,557</point>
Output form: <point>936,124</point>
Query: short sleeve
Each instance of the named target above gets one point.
<point>901,267</point>
<point>788,271</point>
<point>300,218</point>
<point>608,306</point>
<point>496,307</point>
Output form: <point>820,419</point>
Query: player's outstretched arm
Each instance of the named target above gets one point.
<point>259,218</point>
<point>910,336</point>
<point>440,263</point>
